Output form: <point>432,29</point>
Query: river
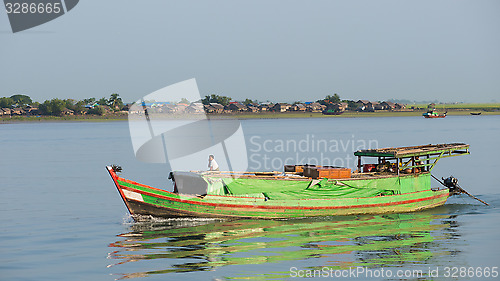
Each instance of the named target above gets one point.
<point>62,218</point>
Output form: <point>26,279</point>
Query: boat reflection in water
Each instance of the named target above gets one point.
<point>368,241</point>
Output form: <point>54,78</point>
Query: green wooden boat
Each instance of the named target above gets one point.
<point>398,181</point>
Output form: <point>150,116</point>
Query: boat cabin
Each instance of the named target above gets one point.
<point>410,159</point>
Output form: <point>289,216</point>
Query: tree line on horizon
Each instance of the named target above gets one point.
<point>56,107</point>
<point>329,99</point>
<point>224,100</point>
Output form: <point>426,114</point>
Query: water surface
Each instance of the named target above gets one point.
<point>63,219</point>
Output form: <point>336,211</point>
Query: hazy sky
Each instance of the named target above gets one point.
<point>265,50</point>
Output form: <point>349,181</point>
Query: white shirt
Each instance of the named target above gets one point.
<point>213,166</point>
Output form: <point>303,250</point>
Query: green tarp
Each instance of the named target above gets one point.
<point>291,189</point>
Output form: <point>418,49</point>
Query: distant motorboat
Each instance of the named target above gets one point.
<point>475,113</point>
<point>433,114</point>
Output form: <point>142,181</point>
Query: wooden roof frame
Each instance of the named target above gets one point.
<point>419,157</point>
<point>421,150</point>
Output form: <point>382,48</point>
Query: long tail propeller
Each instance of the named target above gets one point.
<point>455,188</point>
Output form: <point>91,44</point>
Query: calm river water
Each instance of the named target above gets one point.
<point>62,218</point>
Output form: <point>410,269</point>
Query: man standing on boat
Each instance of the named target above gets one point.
<point>212,164</point>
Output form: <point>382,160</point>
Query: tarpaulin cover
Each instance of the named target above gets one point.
<point>291,189</point>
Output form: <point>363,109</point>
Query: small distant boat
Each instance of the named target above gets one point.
<point>475,113</point>
<point>433,114</point>
<point>398,180</point>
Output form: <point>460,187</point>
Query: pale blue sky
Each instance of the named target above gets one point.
<point>266,50</point>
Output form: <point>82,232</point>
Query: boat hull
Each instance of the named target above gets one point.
<point>145,200</point>
<point>434,116</point>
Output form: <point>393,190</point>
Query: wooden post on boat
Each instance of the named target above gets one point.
<point>413,170</point>
<point>397,165</point>
<point>359,164</point>
<point>427,162</point>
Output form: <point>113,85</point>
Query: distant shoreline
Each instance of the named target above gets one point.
<point>72,118</point>
<point>242,116</point>
<point>347,114</point>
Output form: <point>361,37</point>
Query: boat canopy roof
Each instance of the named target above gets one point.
<point>421,150</point>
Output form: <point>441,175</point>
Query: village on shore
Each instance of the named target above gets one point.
<point>239,107</point>
<point>19,106</point>
<point>360,105</point>
<point>22,105</point>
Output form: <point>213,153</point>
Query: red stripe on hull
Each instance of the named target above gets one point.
<point>290,207</point>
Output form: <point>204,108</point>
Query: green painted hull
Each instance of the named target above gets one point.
<point>411,193</point>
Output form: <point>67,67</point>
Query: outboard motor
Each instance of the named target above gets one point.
<point>451,183</point>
